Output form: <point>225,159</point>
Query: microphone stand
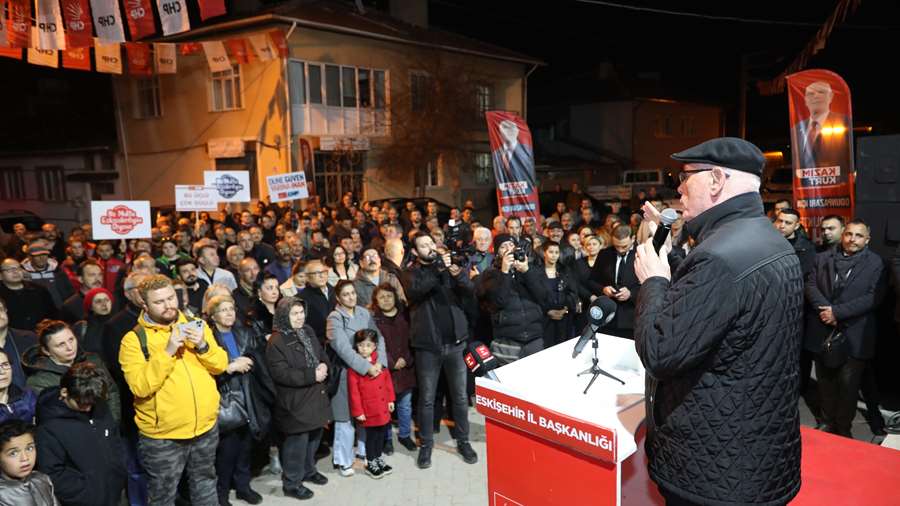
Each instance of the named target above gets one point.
<point>595,369</point>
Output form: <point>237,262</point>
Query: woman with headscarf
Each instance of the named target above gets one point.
<point>299,368</point>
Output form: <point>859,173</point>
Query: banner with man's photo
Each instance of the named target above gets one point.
<point>822,145</point>
<point>513,160</point>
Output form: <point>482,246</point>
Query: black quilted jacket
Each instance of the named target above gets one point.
<point>720,344</point>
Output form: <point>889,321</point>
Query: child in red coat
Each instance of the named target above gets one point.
<point>371,402</point>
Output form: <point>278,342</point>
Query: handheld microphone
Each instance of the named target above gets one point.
<point>601,312</point>
<point>666,219</point>
<point>480,360</point>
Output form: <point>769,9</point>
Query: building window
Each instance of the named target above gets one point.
<point>51,184</point>
<point>419,89</point>
<point>484,99</point>
<point>484,172</point>
<point>338,172</point>
<point>12,183</point>
<point>226,92</point>
<point>687,126</point>
<point>432,174</point>
<point>147,100</point>
<point>344,101</point>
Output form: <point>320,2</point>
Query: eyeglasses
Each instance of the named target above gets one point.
<point>685,174</point>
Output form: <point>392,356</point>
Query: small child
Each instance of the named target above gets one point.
<point>371,402</point>
<point>19,483</point>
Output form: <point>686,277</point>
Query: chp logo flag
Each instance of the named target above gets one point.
<point>18,23</point>
<point>50,33</point>
<point>237,49</point>
<point>173,16</point>
<point>43,57</point>
<point>120,219</point>
<point>231,185</point>
<point>287,187</point>
<point>79,26</point>
<point>77,58</point>
<point>138,59</point>
<point>821,121</point>
<point>262,46</point>
<point>211,8</point>
<point>513,160</point>
<point>140,18</point>
<point>216,56</point>
<point>108,57</point>
<point>166,62</point>
<point>107,21</point>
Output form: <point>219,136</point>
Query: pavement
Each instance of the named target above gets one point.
<point>449,481</point>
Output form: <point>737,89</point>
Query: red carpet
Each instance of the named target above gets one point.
<point>835,471</point>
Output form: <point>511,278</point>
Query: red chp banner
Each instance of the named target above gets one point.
<point>822,145</point>
<point>513,158</point>
<point>79,24</point>
<point>140,18</point>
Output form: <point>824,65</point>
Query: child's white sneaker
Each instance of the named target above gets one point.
<point>347,472</point>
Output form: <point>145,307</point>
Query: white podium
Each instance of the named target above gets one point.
<point>550,443</point>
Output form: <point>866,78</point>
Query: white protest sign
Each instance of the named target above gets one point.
<point>121,219</point>
<point>195,198</point>
<point>230,185</point>
<point>287,187</point>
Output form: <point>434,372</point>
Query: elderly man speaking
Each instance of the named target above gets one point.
<point>720,339</point>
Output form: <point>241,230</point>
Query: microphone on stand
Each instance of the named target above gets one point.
<point>666,219</point>
<point>601,312</point>
<point>480,360</point>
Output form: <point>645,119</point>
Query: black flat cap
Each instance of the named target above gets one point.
<point>729,152</point>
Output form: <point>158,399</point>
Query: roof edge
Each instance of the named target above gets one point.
<point>277,18</point>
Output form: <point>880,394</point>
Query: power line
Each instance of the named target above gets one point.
<point>722,18</point>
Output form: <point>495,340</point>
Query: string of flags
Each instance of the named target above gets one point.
<point>63,29</point>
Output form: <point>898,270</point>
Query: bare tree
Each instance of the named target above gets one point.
<point>433,116</point>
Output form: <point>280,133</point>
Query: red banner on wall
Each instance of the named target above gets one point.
<point>79,25</point>
<point>237,49</point>
<point>280,42</point>
<point>822,145</point>
<point>513,157</point>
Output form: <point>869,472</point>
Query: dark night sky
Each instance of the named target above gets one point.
<point>694,58</point>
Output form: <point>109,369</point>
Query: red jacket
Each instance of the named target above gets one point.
<point>111,269</point>
<point>370,396</point>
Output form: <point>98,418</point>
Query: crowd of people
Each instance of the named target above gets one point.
<point>181,365</point>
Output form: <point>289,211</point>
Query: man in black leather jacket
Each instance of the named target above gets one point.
<point>720,341</point>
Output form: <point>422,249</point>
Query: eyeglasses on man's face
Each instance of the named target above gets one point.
<point>685,174</point>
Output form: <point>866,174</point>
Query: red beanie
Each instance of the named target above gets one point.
<point>89,298</point>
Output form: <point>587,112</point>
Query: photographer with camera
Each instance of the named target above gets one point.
<point>439,330</point>
<point>511,293</point>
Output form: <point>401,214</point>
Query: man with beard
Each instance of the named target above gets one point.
<point>439,330</point>
<point>90,275</point>
<point>787,221</point>
<point>281,267</point>
<point>186,270</point>
<point>169,366</point>
<point>245,294</point>
<point>832,230</point>
<point>27,302</point>
<point>54,244</point>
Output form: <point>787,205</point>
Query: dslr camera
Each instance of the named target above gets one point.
<point>458,244</point>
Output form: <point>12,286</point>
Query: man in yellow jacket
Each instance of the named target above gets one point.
<point>169,367</point>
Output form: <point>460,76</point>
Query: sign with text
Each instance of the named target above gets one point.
<point>196,198</point>
<point>287,187</point>
<point>579,435</point>
<point>121,219</point>
<point>230,185</point>
<point>344,143</point>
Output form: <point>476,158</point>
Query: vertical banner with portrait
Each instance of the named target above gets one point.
<point>308,164</point>
<point>822,145</point>
<point>513,159</point>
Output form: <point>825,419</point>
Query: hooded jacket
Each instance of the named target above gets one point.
<point>81,452</point>
<point>45,373</point>
<point>20,405</point>
<point>175,397</point>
